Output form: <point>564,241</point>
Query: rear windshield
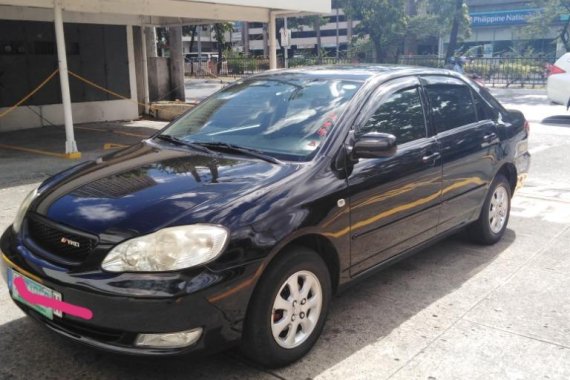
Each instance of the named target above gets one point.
<point>287,118</point>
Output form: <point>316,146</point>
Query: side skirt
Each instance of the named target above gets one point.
<point>393,260</point>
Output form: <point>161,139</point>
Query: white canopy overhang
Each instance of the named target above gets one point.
<point>149,13</point>
<point>166,12</point>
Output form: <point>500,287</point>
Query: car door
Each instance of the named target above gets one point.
<point>468,149</point>
<point>394,201</point>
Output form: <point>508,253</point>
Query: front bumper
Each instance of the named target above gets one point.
<point>127,304</point>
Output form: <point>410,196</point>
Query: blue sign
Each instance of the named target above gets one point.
<point>498,18</point>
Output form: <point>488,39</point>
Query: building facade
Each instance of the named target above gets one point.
<point>497,29</point>
<point>304,38</point>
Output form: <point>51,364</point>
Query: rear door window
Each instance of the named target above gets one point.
<point>484,111</point>
<point>451,104</point>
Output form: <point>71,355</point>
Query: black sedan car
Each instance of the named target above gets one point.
<point>238,222</point>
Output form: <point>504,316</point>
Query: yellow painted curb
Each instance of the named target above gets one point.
<point>36,151</point>
<point>73,155</point>
<point>109,146</point>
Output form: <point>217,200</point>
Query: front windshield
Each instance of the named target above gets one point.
<point>287,118</point>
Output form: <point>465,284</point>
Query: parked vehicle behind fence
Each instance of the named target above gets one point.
<point>238,222</point>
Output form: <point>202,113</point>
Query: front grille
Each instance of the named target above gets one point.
<point>60,241</point>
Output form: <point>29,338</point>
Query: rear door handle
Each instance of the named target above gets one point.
<point>430,157</point>
<point>490,137</point>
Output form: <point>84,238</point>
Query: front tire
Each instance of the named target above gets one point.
<point>288,309</point>
<point>492,223</point>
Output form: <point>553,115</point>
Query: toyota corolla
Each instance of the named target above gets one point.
<point>238,222</point>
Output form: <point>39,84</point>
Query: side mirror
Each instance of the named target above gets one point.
<point>374,145</point>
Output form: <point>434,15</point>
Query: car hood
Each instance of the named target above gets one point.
<point>147,187</point>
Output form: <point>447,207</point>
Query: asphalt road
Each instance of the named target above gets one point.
<point>454,311</point>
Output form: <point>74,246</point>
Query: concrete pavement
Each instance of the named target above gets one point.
<point>198,89</point>
<point>453,311</point>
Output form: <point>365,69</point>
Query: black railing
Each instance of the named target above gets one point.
<point>500,72</point>
<point>241,66</point>
<point>313,61</point>
<point>244,66</point>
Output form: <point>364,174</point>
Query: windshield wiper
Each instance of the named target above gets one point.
<point>240,149</point>
<point>179,141</point>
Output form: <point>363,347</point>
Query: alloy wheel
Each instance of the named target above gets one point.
<point>498,209</point>
<point>296,309</point>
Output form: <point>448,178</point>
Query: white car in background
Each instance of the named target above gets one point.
<point>558,87</point>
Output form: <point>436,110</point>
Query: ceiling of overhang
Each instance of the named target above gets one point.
<point>168,12</point>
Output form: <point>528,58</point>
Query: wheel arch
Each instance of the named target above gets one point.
<point>318,243</point>
<point>510,172</point>
<point>325,249</point>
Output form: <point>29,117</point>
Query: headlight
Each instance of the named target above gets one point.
<point>17,225</point>
<point>168,249</point>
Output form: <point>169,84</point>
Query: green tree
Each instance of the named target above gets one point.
<point>553,13</point>
<point>220,30</point>
<point>314,22</point>
<point>384,21</point>
<point>190,30</point>
<point>457,13</point>
<point>433,18</point>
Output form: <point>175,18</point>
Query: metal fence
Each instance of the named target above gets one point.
<point>313,61</point>
<point>244,66</point>
<point>496,72</point>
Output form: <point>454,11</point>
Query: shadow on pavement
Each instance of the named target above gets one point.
<point>559,120</point>
<point>361,316</point>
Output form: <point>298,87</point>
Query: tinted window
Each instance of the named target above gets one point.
<point>498,107</point>
<point>401,115</point>
<point>451,105</point>
<point>484,111</point>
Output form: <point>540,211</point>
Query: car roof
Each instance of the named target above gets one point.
<point>357,72</point>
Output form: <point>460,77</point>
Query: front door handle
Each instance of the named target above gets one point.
<point>430,157</point>
<point>490,137</point>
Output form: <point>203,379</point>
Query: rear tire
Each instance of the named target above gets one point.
<point>492,222</point>
<point>288,309</point>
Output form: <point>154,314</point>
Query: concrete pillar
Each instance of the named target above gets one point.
<point>286,48</point>
<point>150,35</point>
<point>265,49</point>
<point>337,36</point>
<point>70,144</point>
<point>146,99</point>
<point>441,48</point>
<point>272,42</point>
<point>349,36</point>
<point>245,37</point>
<point>176,63</point>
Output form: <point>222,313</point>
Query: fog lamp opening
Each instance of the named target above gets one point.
<point>169,340</point>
